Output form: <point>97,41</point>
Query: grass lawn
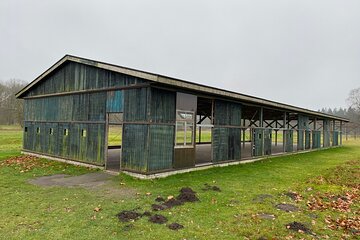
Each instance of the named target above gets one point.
<point>33,212</point>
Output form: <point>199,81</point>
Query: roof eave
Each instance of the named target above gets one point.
<point>177,83</point>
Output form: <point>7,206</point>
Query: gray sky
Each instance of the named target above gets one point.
<point>304,52</point>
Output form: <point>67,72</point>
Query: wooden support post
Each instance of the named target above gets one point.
<point>199,134</point>
<point>261,117</point>
<point>276,131</point>
<point>243,134</point>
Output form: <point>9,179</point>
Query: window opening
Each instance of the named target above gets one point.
<point>184,135</point>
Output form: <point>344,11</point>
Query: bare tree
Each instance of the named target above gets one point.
<point>11,109</point>
<point>354,99</point>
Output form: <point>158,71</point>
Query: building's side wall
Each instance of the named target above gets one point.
<point>65,125</point>
<point>148,140</point>
<point>326,133</point>
<point>226,132</point>
<point>73,126</point>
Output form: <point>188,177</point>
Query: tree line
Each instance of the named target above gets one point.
<point>352,113</point>
<point>11,109</point>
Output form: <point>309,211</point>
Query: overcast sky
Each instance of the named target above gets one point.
<point>304,52</point>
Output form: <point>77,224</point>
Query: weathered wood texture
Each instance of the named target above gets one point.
<point>307,139</point>
<point>257,146</point>
<point>115,103</point>
<point>300,139</point>
<point>148,140</point>
<point>226,143</point>
<point>326,133</point>
<point>66,140</point>
<point>73,76</point>
<point>289,140</point>
<point>267,141</point>
<point>73,126</point>
<point>76,107</point>
<point>335,140</point>
<point>316,139</point>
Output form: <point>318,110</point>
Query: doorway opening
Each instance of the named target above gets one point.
<point>204,126</point>
<point>114,141</point>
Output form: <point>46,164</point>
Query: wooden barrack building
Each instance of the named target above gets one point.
<point>135,121</point>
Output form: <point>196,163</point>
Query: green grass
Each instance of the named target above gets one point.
<point>10,140</point>
<point>115,135</point>
<point>32,212</point>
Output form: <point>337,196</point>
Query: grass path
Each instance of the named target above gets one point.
<point>32,212</point>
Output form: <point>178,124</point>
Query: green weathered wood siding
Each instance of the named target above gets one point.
<point>162,129</point>
<point>115,101</point>
<point>307,139</point>
<point>303,122</point>
<point>300,139</point>
<point>163,106</point>
<point>257,142</point>
<point>161,147</point>
<point>289,140</point>
<point>326,133</point>
<point>227,113</point>
<point>226,134</point>
<point>335,141</point>
<point>151,113</point>
<point>135,147</point>
<point>267,141</point>
<point>316,139</point>
<point>76,107</point>
<point>73,76</point>
<point>226,144</point>
<point>76,112</point>
<point>136,103</point>
<point>303,138</point>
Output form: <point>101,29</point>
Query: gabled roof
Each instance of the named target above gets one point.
<point>176,83</point>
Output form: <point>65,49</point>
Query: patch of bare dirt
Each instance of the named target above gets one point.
<point>187,195</point>
<point>158,207</point>
<point>175,226</point>
<point>262,198</point>
<point>99,182</point>
<point>127,216</point>
<point>172,202</point>
<point>158,219</point>
<point>159,199</point>
<point>146,213</point>
<point>266,216</point>
<point>298,227</point>
<point>287,207</point>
